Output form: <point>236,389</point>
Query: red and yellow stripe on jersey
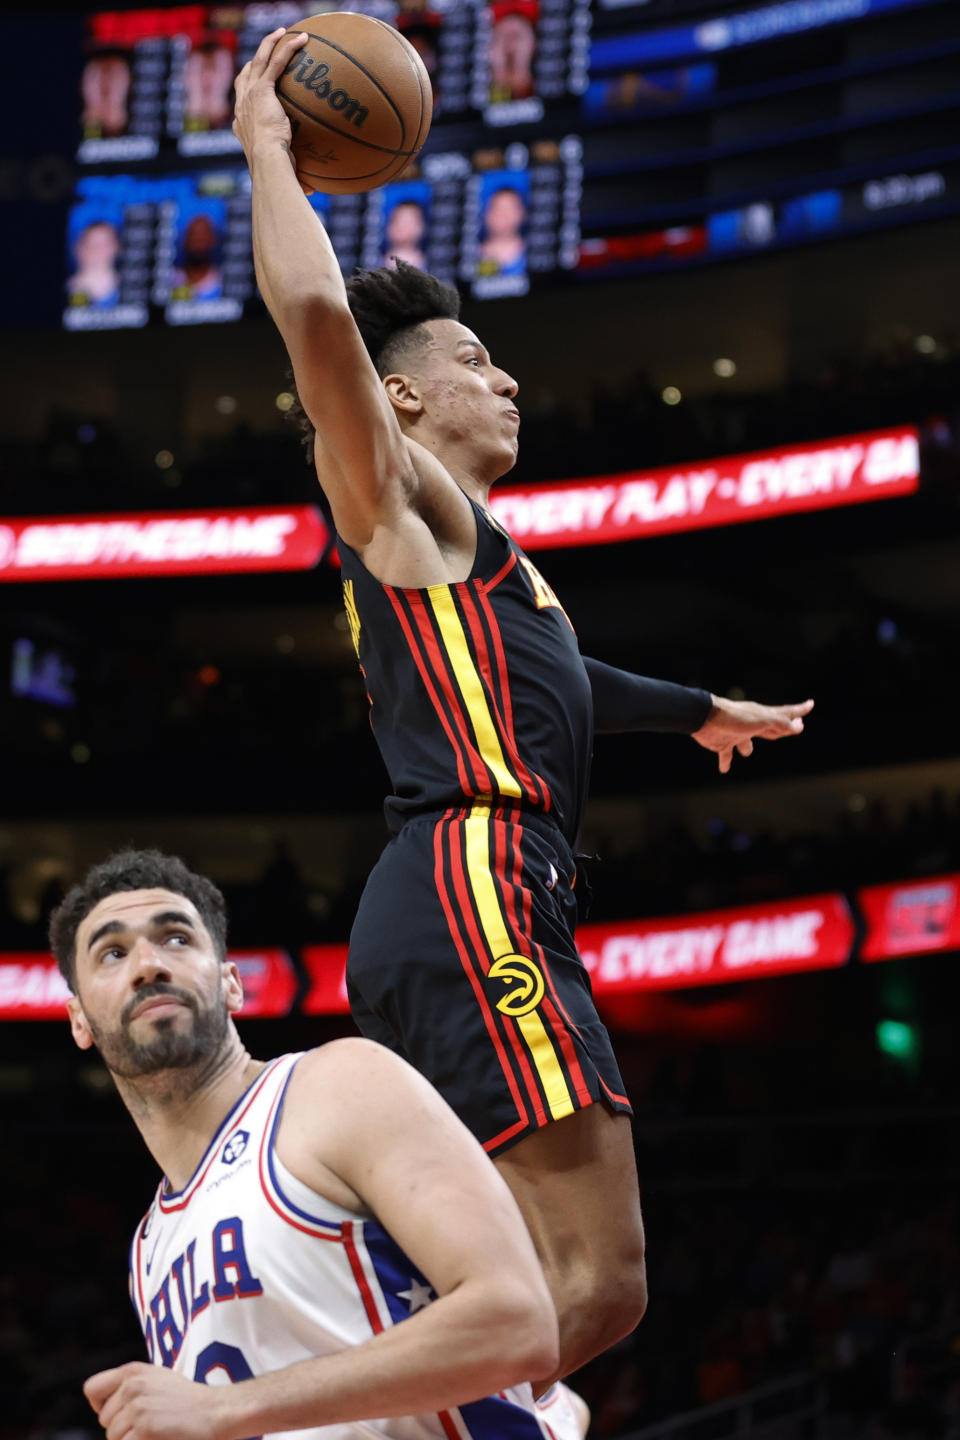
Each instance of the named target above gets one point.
<point>478,870</point>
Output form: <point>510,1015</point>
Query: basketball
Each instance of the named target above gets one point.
<point>359,102</point>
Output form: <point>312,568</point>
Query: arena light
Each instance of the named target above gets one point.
<point>898,1040</point>
<point>724,367</point>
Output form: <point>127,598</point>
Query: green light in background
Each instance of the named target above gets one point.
<point>897,1039</point>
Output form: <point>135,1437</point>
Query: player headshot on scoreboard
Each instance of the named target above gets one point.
<point>504,206</point>
<point>406,220</point>
<point>105,87</point>
<point>94,242</point>
<point>512,47</point>
<point>422,28</point>
<point>197,275</point>
<point>208,75</point>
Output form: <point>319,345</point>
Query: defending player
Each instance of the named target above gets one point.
<point>309,1206</point>
<point>462,957</point>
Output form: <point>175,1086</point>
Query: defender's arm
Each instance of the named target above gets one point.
<point>367,473</point>
<point>396,1148</point>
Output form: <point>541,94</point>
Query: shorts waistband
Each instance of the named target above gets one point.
<point>507,814</point>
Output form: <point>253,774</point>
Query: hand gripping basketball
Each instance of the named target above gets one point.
<point>259,117</point>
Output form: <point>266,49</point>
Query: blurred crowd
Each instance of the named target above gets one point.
<point>674,871</point>
<point>859,1290</point>
<point>868,842</point>
<point>622,424</point>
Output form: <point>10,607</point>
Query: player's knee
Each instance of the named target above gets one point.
<point>621,1294</point>
<point>611,1296</point>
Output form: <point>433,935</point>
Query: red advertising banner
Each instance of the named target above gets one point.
<point>176,542</point>
<point>844,471</point>
<point>911,918</point>
<point>327,968</point>
<point>32,988</point>
<point>814,932</point>
<point>269,982</point>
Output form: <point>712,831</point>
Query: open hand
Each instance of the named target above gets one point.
<point>259,117</point>
<point>733,725</point>
<point>145,1402</point>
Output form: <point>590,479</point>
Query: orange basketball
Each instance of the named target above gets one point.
<point>359,101</point>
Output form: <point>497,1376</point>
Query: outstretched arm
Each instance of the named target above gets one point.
<point>733,725</point>
<point>623,702</point>
<point>367,473</point>
<point>391,1145</point>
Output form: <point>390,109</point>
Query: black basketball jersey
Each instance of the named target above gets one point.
<point>478,692</point>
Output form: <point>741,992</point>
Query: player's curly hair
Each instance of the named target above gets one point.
<point>389,305</point>
<point>133,870</point>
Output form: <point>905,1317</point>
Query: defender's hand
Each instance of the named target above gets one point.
<point>144,1402</point>
<point>733,725</point>
<point>259,116</point>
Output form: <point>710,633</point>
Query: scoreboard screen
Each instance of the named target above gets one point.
<point>158,81</point>
<point>178,246</point>
<point>571,139</point>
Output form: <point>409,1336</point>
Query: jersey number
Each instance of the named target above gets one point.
<point>218,1356</point>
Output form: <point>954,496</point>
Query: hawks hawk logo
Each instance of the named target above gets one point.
<point>524,982</point>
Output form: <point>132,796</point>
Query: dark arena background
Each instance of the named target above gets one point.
<point>732,302</point>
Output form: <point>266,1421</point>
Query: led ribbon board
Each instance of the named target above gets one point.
<point>875,465</point>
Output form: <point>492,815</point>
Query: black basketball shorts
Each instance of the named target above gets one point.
<point>462,960</point>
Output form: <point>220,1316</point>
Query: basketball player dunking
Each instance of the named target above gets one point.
<point>308,1207</point>
<point>462,957</point>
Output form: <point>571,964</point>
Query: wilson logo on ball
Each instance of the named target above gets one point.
<point>313,75</point>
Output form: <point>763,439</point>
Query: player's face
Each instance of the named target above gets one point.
<point>106,84</point>
<point>152,993</point>
<point>505,214</point>
<point>467,397</point>
<point>406,224</point>
<point>97,247</point>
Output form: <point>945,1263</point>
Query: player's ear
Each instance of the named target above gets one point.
<point>233,987</point>
<point>79,1026</point>
<point>404,394</point>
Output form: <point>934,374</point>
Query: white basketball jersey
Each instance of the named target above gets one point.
<point>247,1270</point>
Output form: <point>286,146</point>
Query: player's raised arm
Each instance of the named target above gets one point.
<point>367,472</point>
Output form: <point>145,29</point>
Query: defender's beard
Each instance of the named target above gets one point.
<point>172,1046</point>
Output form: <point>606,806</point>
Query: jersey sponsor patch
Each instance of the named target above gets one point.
<point>235,1146</point>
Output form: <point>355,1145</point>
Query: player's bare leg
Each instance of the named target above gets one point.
<point>576,1184</point>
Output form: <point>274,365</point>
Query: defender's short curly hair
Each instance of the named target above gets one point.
<point>133,870</point>
<point>389,305</point>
